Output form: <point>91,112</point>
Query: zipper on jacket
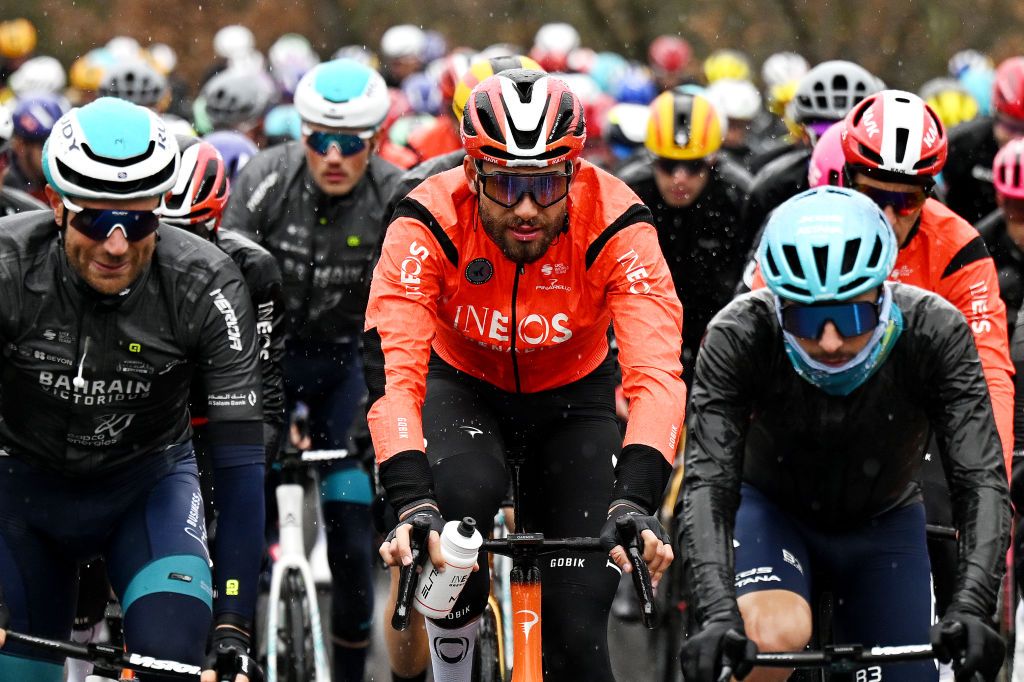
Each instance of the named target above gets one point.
<point>512,329</point>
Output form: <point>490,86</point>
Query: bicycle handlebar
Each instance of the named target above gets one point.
<point>108,656</point>
<point>408,574</point>
<point>838,658</point>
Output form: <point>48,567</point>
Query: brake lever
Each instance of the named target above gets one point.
<point>418,537</point>
<point>641,574</point>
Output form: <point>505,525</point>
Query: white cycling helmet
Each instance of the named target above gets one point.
<point>557,37</point>
<point>343,93</point>
<point>110,149</point>
<point>135,81</point>
<point>6,126</point>
<point>235,97</point>
<point>783,67</point>
<point>38,75</point>
<point>831,89</point>
<point>124,47</point>
<point>738,100</point>
<point>233,41</point>
<point>165,59</point>
<point>404,40</point>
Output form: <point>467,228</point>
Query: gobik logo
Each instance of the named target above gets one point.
<point>451,650</point>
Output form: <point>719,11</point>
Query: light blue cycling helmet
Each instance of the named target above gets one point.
<point>343,93</point>
<point>826,244</point>
<point>110,149</point>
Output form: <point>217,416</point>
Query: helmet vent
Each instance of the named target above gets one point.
<point>793,260</point>
<point>821,262</point>
<point>871,154</point>
<point>485,112</point>
<point>770,265</point>
<point>850,286</point>
<point>875,259</point>
<point>850,254</point>
<point>560,127</point>
<point>119,163</point>
<point>902,137</point>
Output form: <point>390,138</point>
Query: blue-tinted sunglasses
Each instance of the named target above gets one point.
<point>850,319</point>
<point>347,144</point>
<point>98,224</point>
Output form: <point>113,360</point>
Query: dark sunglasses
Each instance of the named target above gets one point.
<point>98,223</point>
<point>850,319</point>
<point>507,189</point>
<point>903,203</point>
<point>691,166</point>
<point>347,144</point>
<point>1015,126</point>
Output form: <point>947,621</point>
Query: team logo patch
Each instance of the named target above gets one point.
<point>479,271</point>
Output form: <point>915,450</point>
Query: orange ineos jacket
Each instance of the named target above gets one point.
<point>946,255</point>
<point>442,283</point>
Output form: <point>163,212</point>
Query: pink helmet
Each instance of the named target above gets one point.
<point>1008,169</point>
<point>827,159</point>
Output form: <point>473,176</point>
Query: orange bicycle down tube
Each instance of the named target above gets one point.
<point>526,632</point>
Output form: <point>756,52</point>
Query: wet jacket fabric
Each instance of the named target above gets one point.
<point>967,175</point>
<point>836,462</point>
<point>324,245</point>
<point>94,382</point>
<point>704,243</point>
<point>944,254</point>
<point>442,284</point>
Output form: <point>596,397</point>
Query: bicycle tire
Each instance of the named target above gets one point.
<point>295,660</point>
<point>487,663</point>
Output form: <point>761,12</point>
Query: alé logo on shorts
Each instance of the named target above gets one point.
<point>532,330</point>
<point>230,319</point>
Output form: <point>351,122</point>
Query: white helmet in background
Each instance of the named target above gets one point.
<point>6,126</point>
<point>163,56</point>
<point>404,40</point>
<point>557,37</point>
<point>783,67</point>
<point>40,75</point>
<point>124,48</point>
<point>739,100</point>
<point>233,42</point>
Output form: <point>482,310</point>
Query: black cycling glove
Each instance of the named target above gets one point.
<point>229,650</point>
<point>638,522</point>
<point>428,512</point>
<point>719,645</point>
<point>973,646</point>
<point>5,613</point>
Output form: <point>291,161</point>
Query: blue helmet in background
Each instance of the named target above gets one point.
<point>35,115</point>
<point>235,148</point>
<point>826,244</point>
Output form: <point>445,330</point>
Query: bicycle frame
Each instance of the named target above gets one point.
<point>293,557</point>
<point>527,661</point>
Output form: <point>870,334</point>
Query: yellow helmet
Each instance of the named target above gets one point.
<point>17,38</point>
<point>86,72</point>
<point>950,100</point>
<point>481,69</point>
<point>726,64</point>
<point>683,126</point>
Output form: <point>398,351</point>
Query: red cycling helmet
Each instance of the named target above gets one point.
<point>669,54</point>
<point>201,191</point>
<point>1008,89</point>
<point>1008,169</point>
<point>896,132</point>
<point>523,118</point>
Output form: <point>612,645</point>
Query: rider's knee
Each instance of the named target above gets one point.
<point>776,620</point>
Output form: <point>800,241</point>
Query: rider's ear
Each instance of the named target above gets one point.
<point>469,168</point>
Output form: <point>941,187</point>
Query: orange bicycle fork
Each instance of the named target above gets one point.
<point>527,664</point>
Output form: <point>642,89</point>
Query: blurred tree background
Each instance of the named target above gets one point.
<point>904,42</point>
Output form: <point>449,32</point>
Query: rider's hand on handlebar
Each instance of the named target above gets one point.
<point>396,551</point>
<point>657,551</point>
<point>970,643</point>
<point>721,649</point>
<point>229,654</point>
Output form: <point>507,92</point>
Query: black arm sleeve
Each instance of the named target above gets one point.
<point>961,414</point>
<point>716,423</point>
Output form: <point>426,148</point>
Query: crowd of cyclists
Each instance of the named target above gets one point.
<point>450,256</point>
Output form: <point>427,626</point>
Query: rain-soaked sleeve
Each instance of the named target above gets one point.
<point>717,419</point>
<point>974,290</point>
<point>648,321</point>
<point>400,322</point>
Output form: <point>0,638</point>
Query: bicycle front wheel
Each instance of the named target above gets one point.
<point>488,659</point>
<point>295,659</point>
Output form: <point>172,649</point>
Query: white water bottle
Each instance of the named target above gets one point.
<point>436,592</point>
